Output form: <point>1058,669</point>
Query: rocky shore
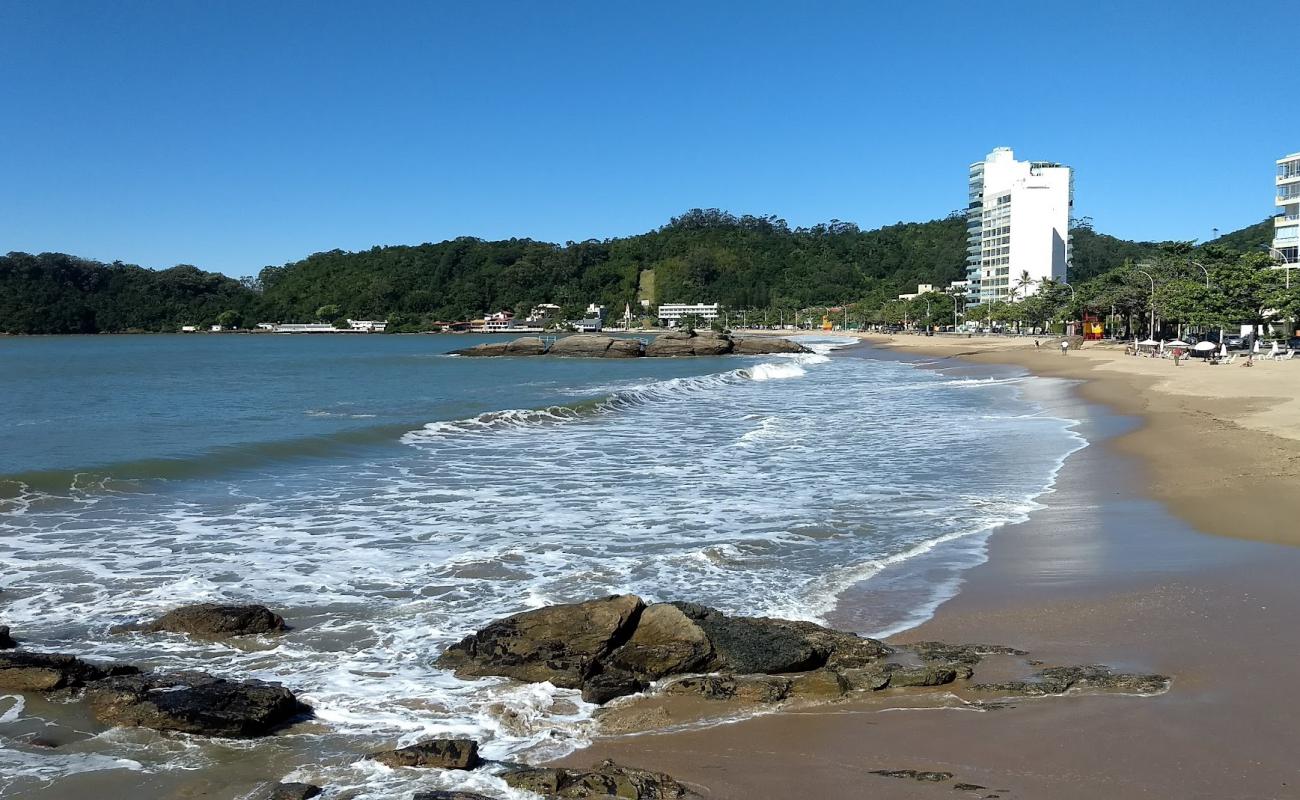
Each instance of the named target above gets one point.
<point>633,658</point>
<point>673,344</point>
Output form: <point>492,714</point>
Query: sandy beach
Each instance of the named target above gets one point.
<point>1168,546</point>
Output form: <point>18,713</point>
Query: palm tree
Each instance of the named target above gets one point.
<point>1022,282</point>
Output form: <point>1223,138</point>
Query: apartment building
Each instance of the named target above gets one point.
<point>1286,225</point>
<point>1017,225</point>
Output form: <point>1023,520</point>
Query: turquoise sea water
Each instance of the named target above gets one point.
<point>388,498</point>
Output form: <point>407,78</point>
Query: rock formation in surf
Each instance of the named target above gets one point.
<point>25,671</point>
<point>6,641</point>
<point>194,702</point>
<point>619,645</point>
<point>604,780</point>
<point>214,620</point>
<point>665,345</point>
<point>440,753</point>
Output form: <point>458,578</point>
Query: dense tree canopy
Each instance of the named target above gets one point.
<point>704,255</point>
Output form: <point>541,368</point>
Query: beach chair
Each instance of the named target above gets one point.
<point>1230,359</point>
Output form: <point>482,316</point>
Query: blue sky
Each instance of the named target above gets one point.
<point>234,135</point>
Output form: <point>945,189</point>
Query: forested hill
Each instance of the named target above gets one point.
<point>700,256</point>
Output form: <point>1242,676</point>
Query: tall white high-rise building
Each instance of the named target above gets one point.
<point>1017,226</point>
<point>1286,225</point>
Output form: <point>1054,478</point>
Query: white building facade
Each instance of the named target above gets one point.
<point>1017,225</point>
<point>674,312</point>
<point>1286,225</point>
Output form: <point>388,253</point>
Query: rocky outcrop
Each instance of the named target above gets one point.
<point>665,345</point>
<point>665,642</point>
<point>439,753</point>
<point>765,345</point>
<point>485,349</point>
<point>604,780</point>
<point>214,620</point>
<point>746,645</point>
<point>562,644</point>
<point>24,671</point>
<point>969,654</point>
<point>590,345</point>
<point>688,343</point>
<point>194,702</point>
<point>618,646</point>
<point>6,641</point>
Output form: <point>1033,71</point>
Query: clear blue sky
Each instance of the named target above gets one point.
<point>233,135</point>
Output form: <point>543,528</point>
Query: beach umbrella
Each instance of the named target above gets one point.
<point>1148,343</point>
<point>1204,347</point>
<point>1177,343</point>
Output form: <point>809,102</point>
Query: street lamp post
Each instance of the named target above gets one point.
<point>1286,263</point>
<point>1151,331</point>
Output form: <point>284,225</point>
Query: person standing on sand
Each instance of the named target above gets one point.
<point>1178,353</point>
<point>1065,347</point>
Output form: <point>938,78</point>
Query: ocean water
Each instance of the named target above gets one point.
<point>388,499</point>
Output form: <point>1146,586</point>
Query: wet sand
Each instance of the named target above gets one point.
<point>1103,574</point>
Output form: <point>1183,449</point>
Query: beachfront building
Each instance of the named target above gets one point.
<point>368,325</point>
<point>500,321</point>
<point>1017,226</point>
<point>673,313</point>
<point>1286,225</point>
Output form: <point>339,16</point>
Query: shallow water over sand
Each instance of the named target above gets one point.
<point>387,500</point>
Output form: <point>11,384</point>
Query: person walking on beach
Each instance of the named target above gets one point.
<point>1178,353</point>
<point>1065,347</point>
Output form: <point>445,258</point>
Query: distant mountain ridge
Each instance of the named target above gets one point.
<point>704,255</point>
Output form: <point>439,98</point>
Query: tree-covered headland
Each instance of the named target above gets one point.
<point>755,265</point>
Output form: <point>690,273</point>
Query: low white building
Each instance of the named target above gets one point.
<point>189,328</point>
<point>590,325</point>
<point>305,327</point>
<point>673,313</point>
<point>500,321</point>
<point>368,325</point>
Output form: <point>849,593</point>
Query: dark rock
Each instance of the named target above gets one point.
<point>1058,680</point>
<point>689,343</point>
<point>765,345</point>
<point>561,644</point>
<point>744,688</point>
<point>604,780</point>
<point>761,644</point>
<point>665,642</point>
<point>6,641</point>
<point>44,672</point>
<point>610,683</point>
<point>968,787</point>
<point>969,654</point>
<point>217,620</point>
<point>485,349</point>
<point>294,791</point>
<point>439,753</point>
<point>585,345</point>
<point>194,702</point>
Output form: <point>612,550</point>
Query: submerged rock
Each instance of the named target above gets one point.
<point>743,688</point>
<point>913,774</point>
<point>604,780</point>
<point>561,644</point>
<point>608,684</point>
<point>1058,680</point>
<point>969,654</point>
<point>6,641</point>
<point>45,672</point>
<point>194,702</point>
<point>929,675</point>
<point>439,753</point>
<point>294,791</point>
<point>217,620</point>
